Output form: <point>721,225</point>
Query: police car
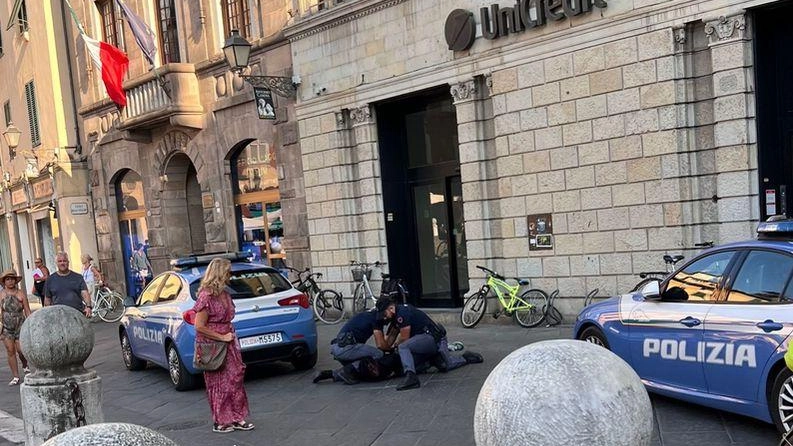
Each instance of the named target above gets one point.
<point>273,320</point>
<point>713,333</point>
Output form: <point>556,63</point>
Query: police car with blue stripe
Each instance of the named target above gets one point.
<point>714,332</point>
<point>273,320</point>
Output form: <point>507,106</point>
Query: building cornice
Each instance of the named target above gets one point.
<point>338,15</point>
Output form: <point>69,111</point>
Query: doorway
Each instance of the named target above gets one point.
<point>772,40</point>
<point>422,196</point>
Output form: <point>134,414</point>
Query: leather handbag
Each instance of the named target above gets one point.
<point>209,355</point>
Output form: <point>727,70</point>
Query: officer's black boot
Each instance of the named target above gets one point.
<point>323,374</point>
<point>411,382</point>
<point>472,358</point>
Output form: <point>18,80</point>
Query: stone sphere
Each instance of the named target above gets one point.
<point>110,434</point>
<point>57,339</point>
<point>563,392</point>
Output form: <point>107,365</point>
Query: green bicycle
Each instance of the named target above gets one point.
<point>526,309</point>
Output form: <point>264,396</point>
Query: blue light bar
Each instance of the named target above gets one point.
<point>775,227</point>
<point>204,259</point>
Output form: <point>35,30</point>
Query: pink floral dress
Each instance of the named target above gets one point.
<point>225,389</point>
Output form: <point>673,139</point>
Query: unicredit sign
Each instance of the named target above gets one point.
<point>500,21</point>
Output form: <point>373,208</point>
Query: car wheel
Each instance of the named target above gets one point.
<point>180,377</point>
<point>306,362</point>
<point>593,335</point>
<point>780,401</point>
<point>131,361</point>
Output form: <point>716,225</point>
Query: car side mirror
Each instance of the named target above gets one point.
<point>651,290</point>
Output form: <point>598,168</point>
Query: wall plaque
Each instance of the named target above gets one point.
<point>18,196</point>
<point>42,189</point>
<point>78,208</point>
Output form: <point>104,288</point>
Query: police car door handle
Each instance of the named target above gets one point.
<point>690,321</point>
<point>768,325</point>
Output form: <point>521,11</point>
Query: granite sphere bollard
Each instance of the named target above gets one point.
<point>110,434</point>
<point>563,392</point>
<point>60,394</point>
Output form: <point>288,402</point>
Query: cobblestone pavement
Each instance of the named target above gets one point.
<point>289,410</point>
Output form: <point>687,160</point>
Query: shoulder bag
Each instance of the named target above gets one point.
<point>209,355</point>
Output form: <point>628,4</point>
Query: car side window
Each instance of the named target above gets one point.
<point>698,281</point>
<point>170,290</point>
<point>149,294</point>
<point>762,277</point>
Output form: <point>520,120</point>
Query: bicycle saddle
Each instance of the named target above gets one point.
<point>673,259</point>
<point>522,281</point>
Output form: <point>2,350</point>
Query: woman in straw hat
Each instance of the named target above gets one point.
<point>14,308</point>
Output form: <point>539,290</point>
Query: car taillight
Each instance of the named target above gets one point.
<point>189,317</point>
<point>301,300</point>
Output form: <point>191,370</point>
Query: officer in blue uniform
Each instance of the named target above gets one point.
<point>419,339</point>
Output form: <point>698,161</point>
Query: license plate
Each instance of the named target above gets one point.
<point>255,341</point>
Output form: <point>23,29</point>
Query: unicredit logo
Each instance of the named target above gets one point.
<point>498,22</point>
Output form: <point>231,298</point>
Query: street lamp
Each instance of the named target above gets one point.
<point>11,136</point>
<point>237,51</point>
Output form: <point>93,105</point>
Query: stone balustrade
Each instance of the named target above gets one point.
<point>170,94</point>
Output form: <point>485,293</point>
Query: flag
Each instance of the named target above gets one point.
<point>143,34</point>
<point>112,63</point>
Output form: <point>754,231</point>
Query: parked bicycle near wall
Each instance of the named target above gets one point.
<point>528,309</point>
<point>658,276</point>
<point>331,309</point>
<point>306,282</point>
<point>108,304</point>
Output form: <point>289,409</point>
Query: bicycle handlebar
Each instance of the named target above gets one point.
<point>376,263</point>
<point>491,272</point>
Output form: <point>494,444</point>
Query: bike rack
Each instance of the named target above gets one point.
<point>552,315</point>
<point>590,297</point>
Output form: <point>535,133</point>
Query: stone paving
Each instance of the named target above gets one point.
<point>289,410</point>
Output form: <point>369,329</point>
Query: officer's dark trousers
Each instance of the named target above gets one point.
<point>354,352</point>
<point>424,346</point>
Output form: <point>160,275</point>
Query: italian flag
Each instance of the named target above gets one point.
<point>112,63</point>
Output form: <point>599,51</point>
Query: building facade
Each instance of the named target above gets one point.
<point>573,142</point>
<point>189,166</point>
<point>45,200</point>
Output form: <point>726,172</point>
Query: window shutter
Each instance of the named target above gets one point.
<point>33,114</point>
<point>7,112</point>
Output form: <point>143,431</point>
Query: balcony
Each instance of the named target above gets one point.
<point>311,7</point>
<point>172,97</point>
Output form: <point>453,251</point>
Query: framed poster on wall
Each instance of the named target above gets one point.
<point>540,232</point>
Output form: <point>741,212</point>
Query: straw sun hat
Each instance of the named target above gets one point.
<point>9,273</point>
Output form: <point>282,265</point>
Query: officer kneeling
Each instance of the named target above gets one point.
<point>419,339</point>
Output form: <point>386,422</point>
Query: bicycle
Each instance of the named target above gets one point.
<point>330,309</point>
<point>659,276</point>
<point>108,304</point>
<point>306,283</point>
<point>528,309</point>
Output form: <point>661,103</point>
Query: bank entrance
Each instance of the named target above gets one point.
<point>422,196</point>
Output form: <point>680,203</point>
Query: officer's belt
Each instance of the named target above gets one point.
<point>344,339</point>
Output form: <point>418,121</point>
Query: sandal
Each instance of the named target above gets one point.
<point>14,381</point>
<point>222,428</point>
<point>242,426</point>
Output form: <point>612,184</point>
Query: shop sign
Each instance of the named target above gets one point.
<point>42,189</point>
<point>264,102</point>
<point>18,196</point>
<point>498,22</point>
<point>78,208</point>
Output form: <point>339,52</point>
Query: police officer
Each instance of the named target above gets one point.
<point>419,338</point>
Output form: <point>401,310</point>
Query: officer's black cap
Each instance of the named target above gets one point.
<point>382,304</point>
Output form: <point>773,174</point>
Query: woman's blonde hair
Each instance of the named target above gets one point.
<point>216,275</point>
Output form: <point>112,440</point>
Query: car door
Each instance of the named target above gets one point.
<point>163,313</point>
<point>744,330</point>
<point>144,344</point>
<point>666,332</point>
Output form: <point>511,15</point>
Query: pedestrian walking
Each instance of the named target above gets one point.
<point>40,275</point>
<point>214,310</point>
<point>66,287</point>
<point>14,308</point>
<point>139,262</point>
<point>91,274</point>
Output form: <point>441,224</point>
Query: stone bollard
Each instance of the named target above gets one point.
<point>110,434</point>
<point>60,394</point>
<point>563,392</point>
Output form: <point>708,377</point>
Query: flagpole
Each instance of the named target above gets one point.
<point>74,16</point>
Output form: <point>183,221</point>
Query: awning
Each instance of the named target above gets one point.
<point>13,19</point>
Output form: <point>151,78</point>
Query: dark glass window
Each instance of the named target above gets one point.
<point>112,27</point>
<point>236,16</point>
<point>149,295</point>
<point>699,280</point>
<point>170,290</point>
<point>761,278</point>
<point>429,140</point>
<point>169,33</point>
<point>247,284</point>
<point>22,16</point>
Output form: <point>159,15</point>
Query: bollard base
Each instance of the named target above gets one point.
<point>48,405</point>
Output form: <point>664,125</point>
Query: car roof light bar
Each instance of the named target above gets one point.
<point>776,226</point>
<point>204,259</point>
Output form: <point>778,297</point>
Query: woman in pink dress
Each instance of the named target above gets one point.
<point>214,311</point>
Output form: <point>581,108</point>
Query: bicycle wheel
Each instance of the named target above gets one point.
<point>474,309</point>
<point>359,299</point>
<point>114,307</point>
<point>644,282</point>
<point>529,309</point>
<point>329,307</point>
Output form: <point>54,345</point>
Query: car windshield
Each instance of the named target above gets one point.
<point>251,283</point>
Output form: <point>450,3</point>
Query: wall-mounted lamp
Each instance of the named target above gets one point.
<point>11,135</point>
<point>237,51</point>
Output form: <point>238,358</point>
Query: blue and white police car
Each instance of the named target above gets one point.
<point>713,333</point>
<point>273,320</point>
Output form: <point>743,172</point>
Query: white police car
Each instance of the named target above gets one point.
<point>273,320</point>
<point>713,333</point>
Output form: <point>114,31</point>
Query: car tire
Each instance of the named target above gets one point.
<point>593,335</point>
<point>783,383</point>
<point>131,361</point>
<point>180,377</point>
<point>306,362</point>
